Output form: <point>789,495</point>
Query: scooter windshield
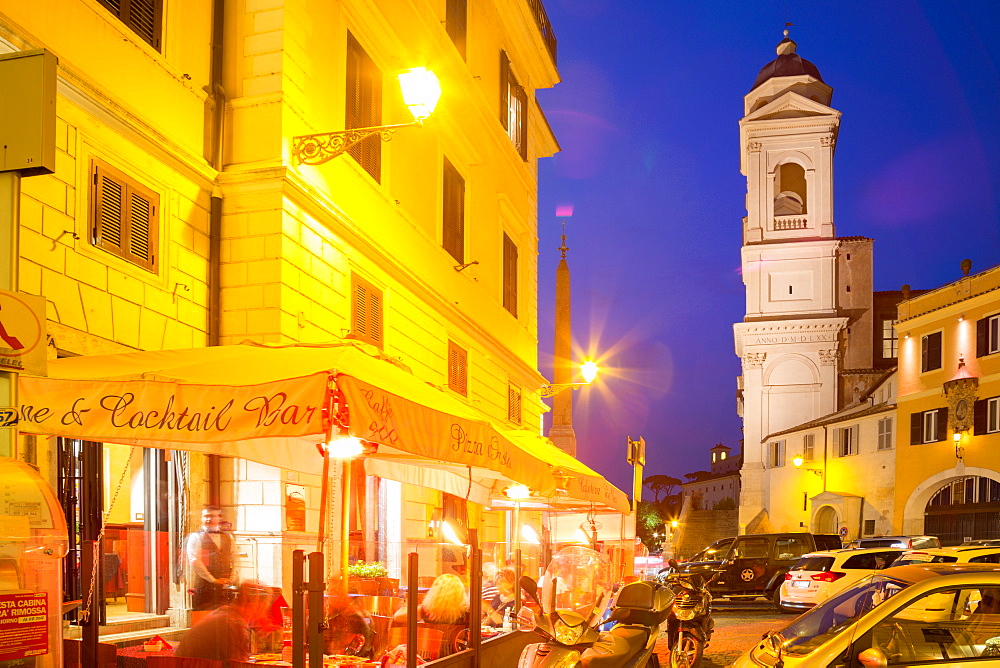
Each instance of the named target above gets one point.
<point>577,585</point>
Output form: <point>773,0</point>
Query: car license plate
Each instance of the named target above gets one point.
<point>800,583</point>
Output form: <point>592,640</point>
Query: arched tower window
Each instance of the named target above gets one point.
<point>789,190</point>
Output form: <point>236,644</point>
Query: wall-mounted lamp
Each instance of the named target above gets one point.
<point>957,437</point>
<point>961,317</point>
<point>421,91</point>
<point>907,335</point>
<point>589,371</point>
<point>798,460</point>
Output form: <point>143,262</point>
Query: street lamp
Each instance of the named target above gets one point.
<point>588,370</point>
<point>421,91</point>
<point>798,460</point>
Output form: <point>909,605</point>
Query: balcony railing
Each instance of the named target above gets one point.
<point>790,223</point>
<point>544,27</point>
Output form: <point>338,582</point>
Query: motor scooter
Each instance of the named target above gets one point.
<point>576,590</point>
<point>690,624</point>
<point>642,610</point>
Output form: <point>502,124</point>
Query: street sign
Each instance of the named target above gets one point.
<point>22,333</point>
<point>843,532</point>
<point>637,451</point>
<point>8,416</point>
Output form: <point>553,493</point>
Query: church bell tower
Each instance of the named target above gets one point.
<point>790,340</point>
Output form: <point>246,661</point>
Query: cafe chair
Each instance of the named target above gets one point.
<point>107,654</point>
<point>429,641</point>
<point>182,662</point>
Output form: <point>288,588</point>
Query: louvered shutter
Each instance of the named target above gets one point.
<point>521,118</point>
<point>855,440</point>
<point>456,23</point>
<point>504,89</point>
<point>509,275</point>
<point>363,105</point>
<point>838,442</point>
<point>366,313</point>
<point>109,210</point>
<point>979,416</point>
<point>453,212</point>
<point>124,216</point>
<point>982,337</point>
<point>143,17</point>
<point>514,403</point>
<point>352,100</point>
<point>930,352</point>
<point>457,369</point>
<point>916,428</point>
<point>942,424</point>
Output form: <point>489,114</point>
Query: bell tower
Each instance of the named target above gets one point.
<point>790,340</point>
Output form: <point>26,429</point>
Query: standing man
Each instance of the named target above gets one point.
<point>210,553</point>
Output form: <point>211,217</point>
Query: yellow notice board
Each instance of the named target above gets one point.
<point>22,333</point>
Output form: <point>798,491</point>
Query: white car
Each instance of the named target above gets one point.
<point>817,576</point>
<point>961,554</point>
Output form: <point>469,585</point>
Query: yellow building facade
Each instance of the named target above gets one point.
<point>178,217</point>
<point>947,475</point>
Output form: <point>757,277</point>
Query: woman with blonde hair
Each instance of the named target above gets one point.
<point>445,608</point>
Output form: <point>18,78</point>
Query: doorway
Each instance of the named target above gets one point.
<point>827,520</point>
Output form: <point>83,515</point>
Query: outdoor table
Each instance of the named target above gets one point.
<point>135,656</point>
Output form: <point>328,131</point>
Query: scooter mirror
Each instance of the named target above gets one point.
<point>673,563</point>
<point>531,587</point>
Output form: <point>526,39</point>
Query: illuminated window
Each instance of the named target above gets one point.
<point>890,342</point>
<point>363,106</point>
<point>143,17</point>
<point>988,336</point>
<point>928,426</point>
<point>124,216</point>
<point>513,107</point>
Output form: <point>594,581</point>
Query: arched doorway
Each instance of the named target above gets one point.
<point>963,509</point>
<point>827,520</point>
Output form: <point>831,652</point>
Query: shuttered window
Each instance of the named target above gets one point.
<point>456,22</point>
<point>930,352</point>
<point>776,454</point>
<point>928,426</point>
<point>363,106</point>
<point>509,275</point>
<point>124,216</point>
<point>514,403</point>
<point>143,17</point>
<point>988,336</point>
<point>513,107</point>
<point>808,447</point>
<point>458,368</point>
<point>986,416</point>
<point>845,441</point>
<point>366,311</point>
<point>453,212</point>
<point>885,439</point>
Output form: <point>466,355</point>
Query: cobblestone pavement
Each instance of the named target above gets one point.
<point>738,625</point>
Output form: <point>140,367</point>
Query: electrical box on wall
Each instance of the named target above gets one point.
<point>28,112</point>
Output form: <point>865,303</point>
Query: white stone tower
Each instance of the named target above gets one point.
<point>791,339</point>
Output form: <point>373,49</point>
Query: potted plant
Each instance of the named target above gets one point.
<point>365,571</point>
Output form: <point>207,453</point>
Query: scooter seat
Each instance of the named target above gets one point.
<point>622,643</point>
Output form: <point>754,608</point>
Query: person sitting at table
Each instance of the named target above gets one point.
<point>224,634</point>
<point>489,580</point>
<point>445,607</point>
<point>504,600</point>
<point>348,631</point>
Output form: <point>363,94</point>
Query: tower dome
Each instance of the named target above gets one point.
<point>787,64</point>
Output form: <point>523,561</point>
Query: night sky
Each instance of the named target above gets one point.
<point>647,116</point>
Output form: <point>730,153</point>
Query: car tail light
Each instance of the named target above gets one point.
<point>788,576</point>
<point>829,576</point>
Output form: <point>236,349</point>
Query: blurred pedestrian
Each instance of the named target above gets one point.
<point>348,630</point>
<point>210,554</point>
<point>224,634</point>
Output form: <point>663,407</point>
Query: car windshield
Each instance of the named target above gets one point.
<point>829,618</point>
<point>712,552</point>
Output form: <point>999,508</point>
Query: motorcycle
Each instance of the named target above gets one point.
<point>642,610</point>
<point>690,625</point>
<point>576,590</point>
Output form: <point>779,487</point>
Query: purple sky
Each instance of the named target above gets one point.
<point>647,117</point>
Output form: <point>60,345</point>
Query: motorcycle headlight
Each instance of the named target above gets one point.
<point>684,614</point>
<point>568,635</point>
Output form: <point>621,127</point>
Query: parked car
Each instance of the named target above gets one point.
<point>817,576</point>
<point>911,542</point>
<point>755,564</point>
<point>972,554</point>
<point>946,614</point>
<point>992,542</point>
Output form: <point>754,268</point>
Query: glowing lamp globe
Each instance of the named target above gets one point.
<point>421,91</point>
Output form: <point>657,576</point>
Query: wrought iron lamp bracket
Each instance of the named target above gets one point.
<point>549,391</point>
<point>325,146</point>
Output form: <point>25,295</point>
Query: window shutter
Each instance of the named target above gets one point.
<point>366,312</point>
<point>143,17</point>
<point>458,361</point>
<point>521,102</point>
<point>453,212</point>
<point>982,337</point>
<point>942,424</point>
<point>514,403</point>
<point>856,439</point>
<point>838,441</point>
<point>509,275</point>
<point>504,90</point>
<point>979,416</point>
<point>456,22</point>
<point>124,216</point>
<point>924,354</point>
<point>142,228</point>
<point>109,210</point>
<point>916,428</point>
<point>363,105</point>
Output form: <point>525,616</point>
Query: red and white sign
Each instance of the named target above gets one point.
<point>24,620</point>
<point>22,333</point>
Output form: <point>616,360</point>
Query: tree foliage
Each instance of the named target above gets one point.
<point>661,484</point>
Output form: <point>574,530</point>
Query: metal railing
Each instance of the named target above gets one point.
<point>544,27</point>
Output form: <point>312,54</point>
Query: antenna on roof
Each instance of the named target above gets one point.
<point>788,25</point>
